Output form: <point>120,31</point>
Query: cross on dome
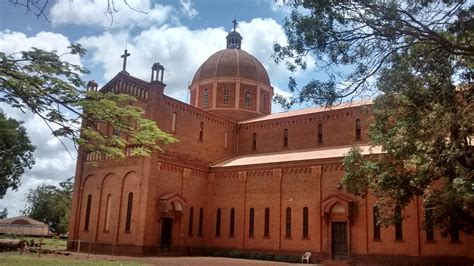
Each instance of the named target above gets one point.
<point>124,56</point>
<point>234,40</point>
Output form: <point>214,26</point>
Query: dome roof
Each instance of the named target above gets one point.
<point>232,63</point>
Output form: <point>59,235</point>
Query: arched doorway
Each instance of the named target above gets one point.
<point>170,207</point>
<point>337,213</point>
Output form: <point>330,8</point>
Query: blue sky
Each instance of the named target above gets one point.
<point>180,34</point>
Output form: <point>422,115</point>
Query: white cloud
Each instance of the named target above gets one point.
<point>14,42</point>
<point>187,8</point>
<point>182,51</point>
<point>125,14</point>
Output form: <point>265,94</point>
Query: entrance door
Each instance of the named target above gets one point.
<point>166,229</point>
<point>339,240</point>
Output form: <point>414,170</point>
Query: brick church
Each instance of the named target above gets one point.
<point>240,177</point>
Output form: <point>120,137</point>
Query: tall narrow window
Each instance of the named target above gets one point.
<point>398,223</point>
<point>285,137</point>
<point>173,123</point>
<point>376,216</point>
<point>454,228</point>
<point>201,218</point>
<point>358,129</point>
<point>266,229</point>
<point>320,133</point>
<point>429,225</point>
<point>206,98</point>
<point>226,95</point>
<point>218,222</point>
<point>190,223</point>
<point>265,102</point>
<point>247,99</point>
<point>288,222</point>
<point>88,212</point>
<point>305,222</point>
<point>226,136</point>
<point>201,131</point>
<point>251,222</point>
<point>128,220</point>
<point>254,141</point>
<point>108,206</point>
<point>232,222</point>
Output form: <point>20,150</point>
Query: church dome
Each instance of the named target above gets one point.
<point>232,63</point>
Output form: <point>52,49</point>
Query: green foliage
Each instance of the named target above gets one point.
<point>16,153</point>
<point>52,88</point>
<point>419,55</point>
<point>50,204</point>
<point>353,40</point>
<point>4,213</point>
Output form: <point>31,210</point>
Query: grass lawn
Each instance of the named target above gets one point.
<point>13,258</point>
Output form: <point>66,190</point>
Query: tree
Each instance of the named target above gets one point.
<point>4,213</point>
<point>50,204</point>
<point>353,40</point>
<point>52,88</point>
<point>16,153</point>
<point>420,56</point>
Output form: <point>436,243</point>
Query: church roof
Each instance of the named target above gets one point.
<point>232,63</point>
<point>20,220</point>
<point>292,156</point>
<point>309,111</point>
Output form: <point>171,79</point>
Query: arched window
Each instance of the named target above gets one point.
<point>201,132</point>
<point>305,222</point>
<point>254,141</point>
<point>247,99</point>
<point>201,218</point>
<point>190,223</point>
<point>232,222</point>
<point>288,222</point>
<point>108,206</point>
<point>251,222</point>
<point>285,137</point>
<point>358,129</point>
<point>320,133</point>
<point>128,220</point>
<point>173,123</point>
<point>398,223</point>
<point>206,98</point>
<point>218,222</point>
<point>226,95</point>
<point>88,213</point>
<point>266,229</point>
<point>376,223</point>
<point>429,225</point>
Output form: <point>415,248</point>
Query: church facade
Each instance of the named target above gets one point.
<point>240,177</point>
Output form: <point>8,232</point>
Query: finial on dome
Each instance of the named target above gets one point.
<point>234,40</point>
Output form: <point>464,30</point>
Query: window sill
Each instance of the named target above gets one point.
<point>430,241</point>
<point>231,236</point>
<point>127,232</point>
<point>305,238</point>
<point>251,237</point>
<point>288,238</point>
<point>266,237</point>
<point>399,241</point>
<point>217,236</point>
<point>455,242</point>
<point>376,240</point>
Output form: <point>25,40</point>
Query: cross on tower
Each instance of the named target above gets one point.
<point>124,56</point>
<point>235,23</point>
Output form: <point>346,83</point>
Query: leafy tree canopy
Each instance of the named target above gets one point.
<point>4,213</point>
<point>419,56</point>
<point>52,88</point>
<point>16,153</point>
<point>50,204</point>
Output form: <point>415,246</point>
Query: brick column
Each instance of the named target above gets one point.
<point>237,94</point>
<point>243,218</point>
<point>276,215</point>
<point>209,211</point>
<point>214,94</point>
<point>316,232</point>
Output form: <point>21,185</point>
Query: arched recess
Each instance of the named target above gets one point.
<point>171,205</point>
<point>90,186</point>
<point>337,205</point>
<point>130,184</point>
<point>108,213</point>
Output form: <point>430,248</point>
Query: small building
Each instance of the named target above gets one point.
<point>23,225</point>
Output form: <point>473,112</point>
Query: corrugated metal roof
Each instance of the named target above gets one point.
<point>292,156</point>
